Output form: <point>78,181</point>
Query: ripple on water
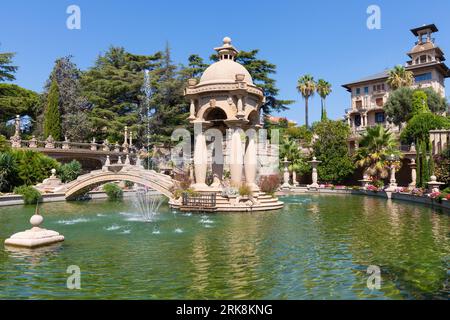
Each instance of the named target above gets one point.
<point>73,221</point>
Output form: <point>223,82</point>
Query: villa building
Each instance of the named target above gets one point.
<point>369,95</point>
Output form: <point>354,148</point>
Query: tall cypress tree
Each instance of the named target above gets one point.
<point>419,164</point>
<point>52,117</point>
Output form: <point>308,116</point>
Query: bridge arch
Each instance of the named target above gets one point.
<point>151,179</point>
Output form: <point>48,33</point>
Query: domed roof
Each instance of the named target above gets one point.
<point>422,47</point>
<point>225,71</point>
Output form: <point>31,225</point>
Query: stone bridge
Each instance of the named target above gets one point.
<point>109,173</point>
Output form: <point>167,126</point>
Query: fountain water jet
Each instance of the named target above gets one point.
<point>147,203</point>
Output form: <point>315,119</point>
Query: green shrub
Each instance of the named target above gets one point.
<point>129,184</point>
<point>244,190</point>
<point>69,171</point>
<point>113,191</point>
<point>30,195</point>
<point>4,146</point>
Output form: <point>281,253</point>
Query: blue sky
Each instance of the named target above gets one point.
<point>328,39</point>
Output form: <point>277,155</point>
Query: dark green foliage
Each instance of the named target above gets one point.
<point>16,100</point>
<point>6,69</point>
<point>419,126</point>
<point>52,116</point>
<point>72,105</point>
<point>424,169</point>
<point>331,148</point>
<point>69,171</point>
<point>196,66</point>
<point>419,102</point>
<point>399,107</point>
<point>33,167</point>
<point>168,107</point>
<point>30,195</point>
<point>261,71</point>
<point>113,87</point>
<point>442,168</point>
<point>8,172</point>
<point>113,191</point>
<point>4,145</point>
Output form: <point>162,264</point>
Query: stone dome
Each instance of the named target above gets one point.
<point>224,71</point>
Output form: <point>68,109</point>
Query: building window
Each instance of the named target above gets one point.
<point>423,77</point>
<point>358,120</point>
<point>358,104</point>
<point>366,90</point>
<point>379,102</point>
<point>379,117</point>
<point>358,91</point>
<point>423,59</point>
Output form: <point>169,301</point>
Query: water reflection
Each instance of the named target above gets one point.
<point>318,247</point>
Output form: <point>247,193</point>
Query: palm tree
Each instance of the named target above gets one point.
<point>399,77</point>
<point>376,145</point>
<point>323,89</point>
<point>306,86</point>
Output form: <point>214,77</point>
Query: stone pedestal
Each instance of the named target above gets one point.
<point>392,182</point>
<point>36,236</point>
<point>314,186</point>
<point>413,167</point>
<point>434,185</point>
<point>286,184</point>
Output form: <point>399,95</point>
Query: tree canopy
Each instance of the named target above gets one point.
<point>399,107</point>
<point>7,70</point>
<point>330,147</point>
<point>15,100</point>
<point>113,87</point>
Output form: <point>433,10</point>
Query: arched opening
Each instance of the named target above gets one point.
<point>253,118</point>
<point>215,114</point>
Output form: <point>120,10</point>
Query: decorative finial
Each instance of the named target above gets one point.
<point>226,41</point>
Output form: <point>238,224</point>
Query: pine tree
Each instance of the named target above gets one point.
<point>6,69</point>
<point>52,116</point>
<point>168,107</point>
<point>114,88</point>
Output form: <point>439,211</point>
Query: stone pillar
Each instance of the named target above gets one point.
<point>16,141</point>
<point>413,167</point>
<point>286,184</point>
<point>236,157</point>
<point>66,144</point>
<point>294,178</point>
<point>33,142</point>
<point>192,110</point>
<point>125,140</point>
<point>250,162</point>
<point>131,140</point>
<point>200,161</point>
<point>50,142</point>
<point>434,185</point>
<point>315,176</point>
<point>93,145</point>
<point>392,181</point>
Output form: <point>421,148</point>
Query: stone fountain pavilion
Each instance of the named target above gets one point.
<point>225,112</point>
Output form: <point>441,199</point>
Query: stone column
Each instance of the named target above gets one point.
<point>393,181</point>
<point>192,110</point>
<point>294,178</point>
<point>16,141</point>
<point>413,167</point>
<point>315,176</point>
<point>286,184</point>
<point>236,157</point>
<point>200,161</point>
<point>250,162</point>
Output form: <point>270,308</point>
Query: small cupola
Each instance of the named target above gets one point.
<point>227,51</point>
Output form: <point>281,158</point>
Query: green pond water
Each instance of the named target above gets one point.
<point>317,247</point>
